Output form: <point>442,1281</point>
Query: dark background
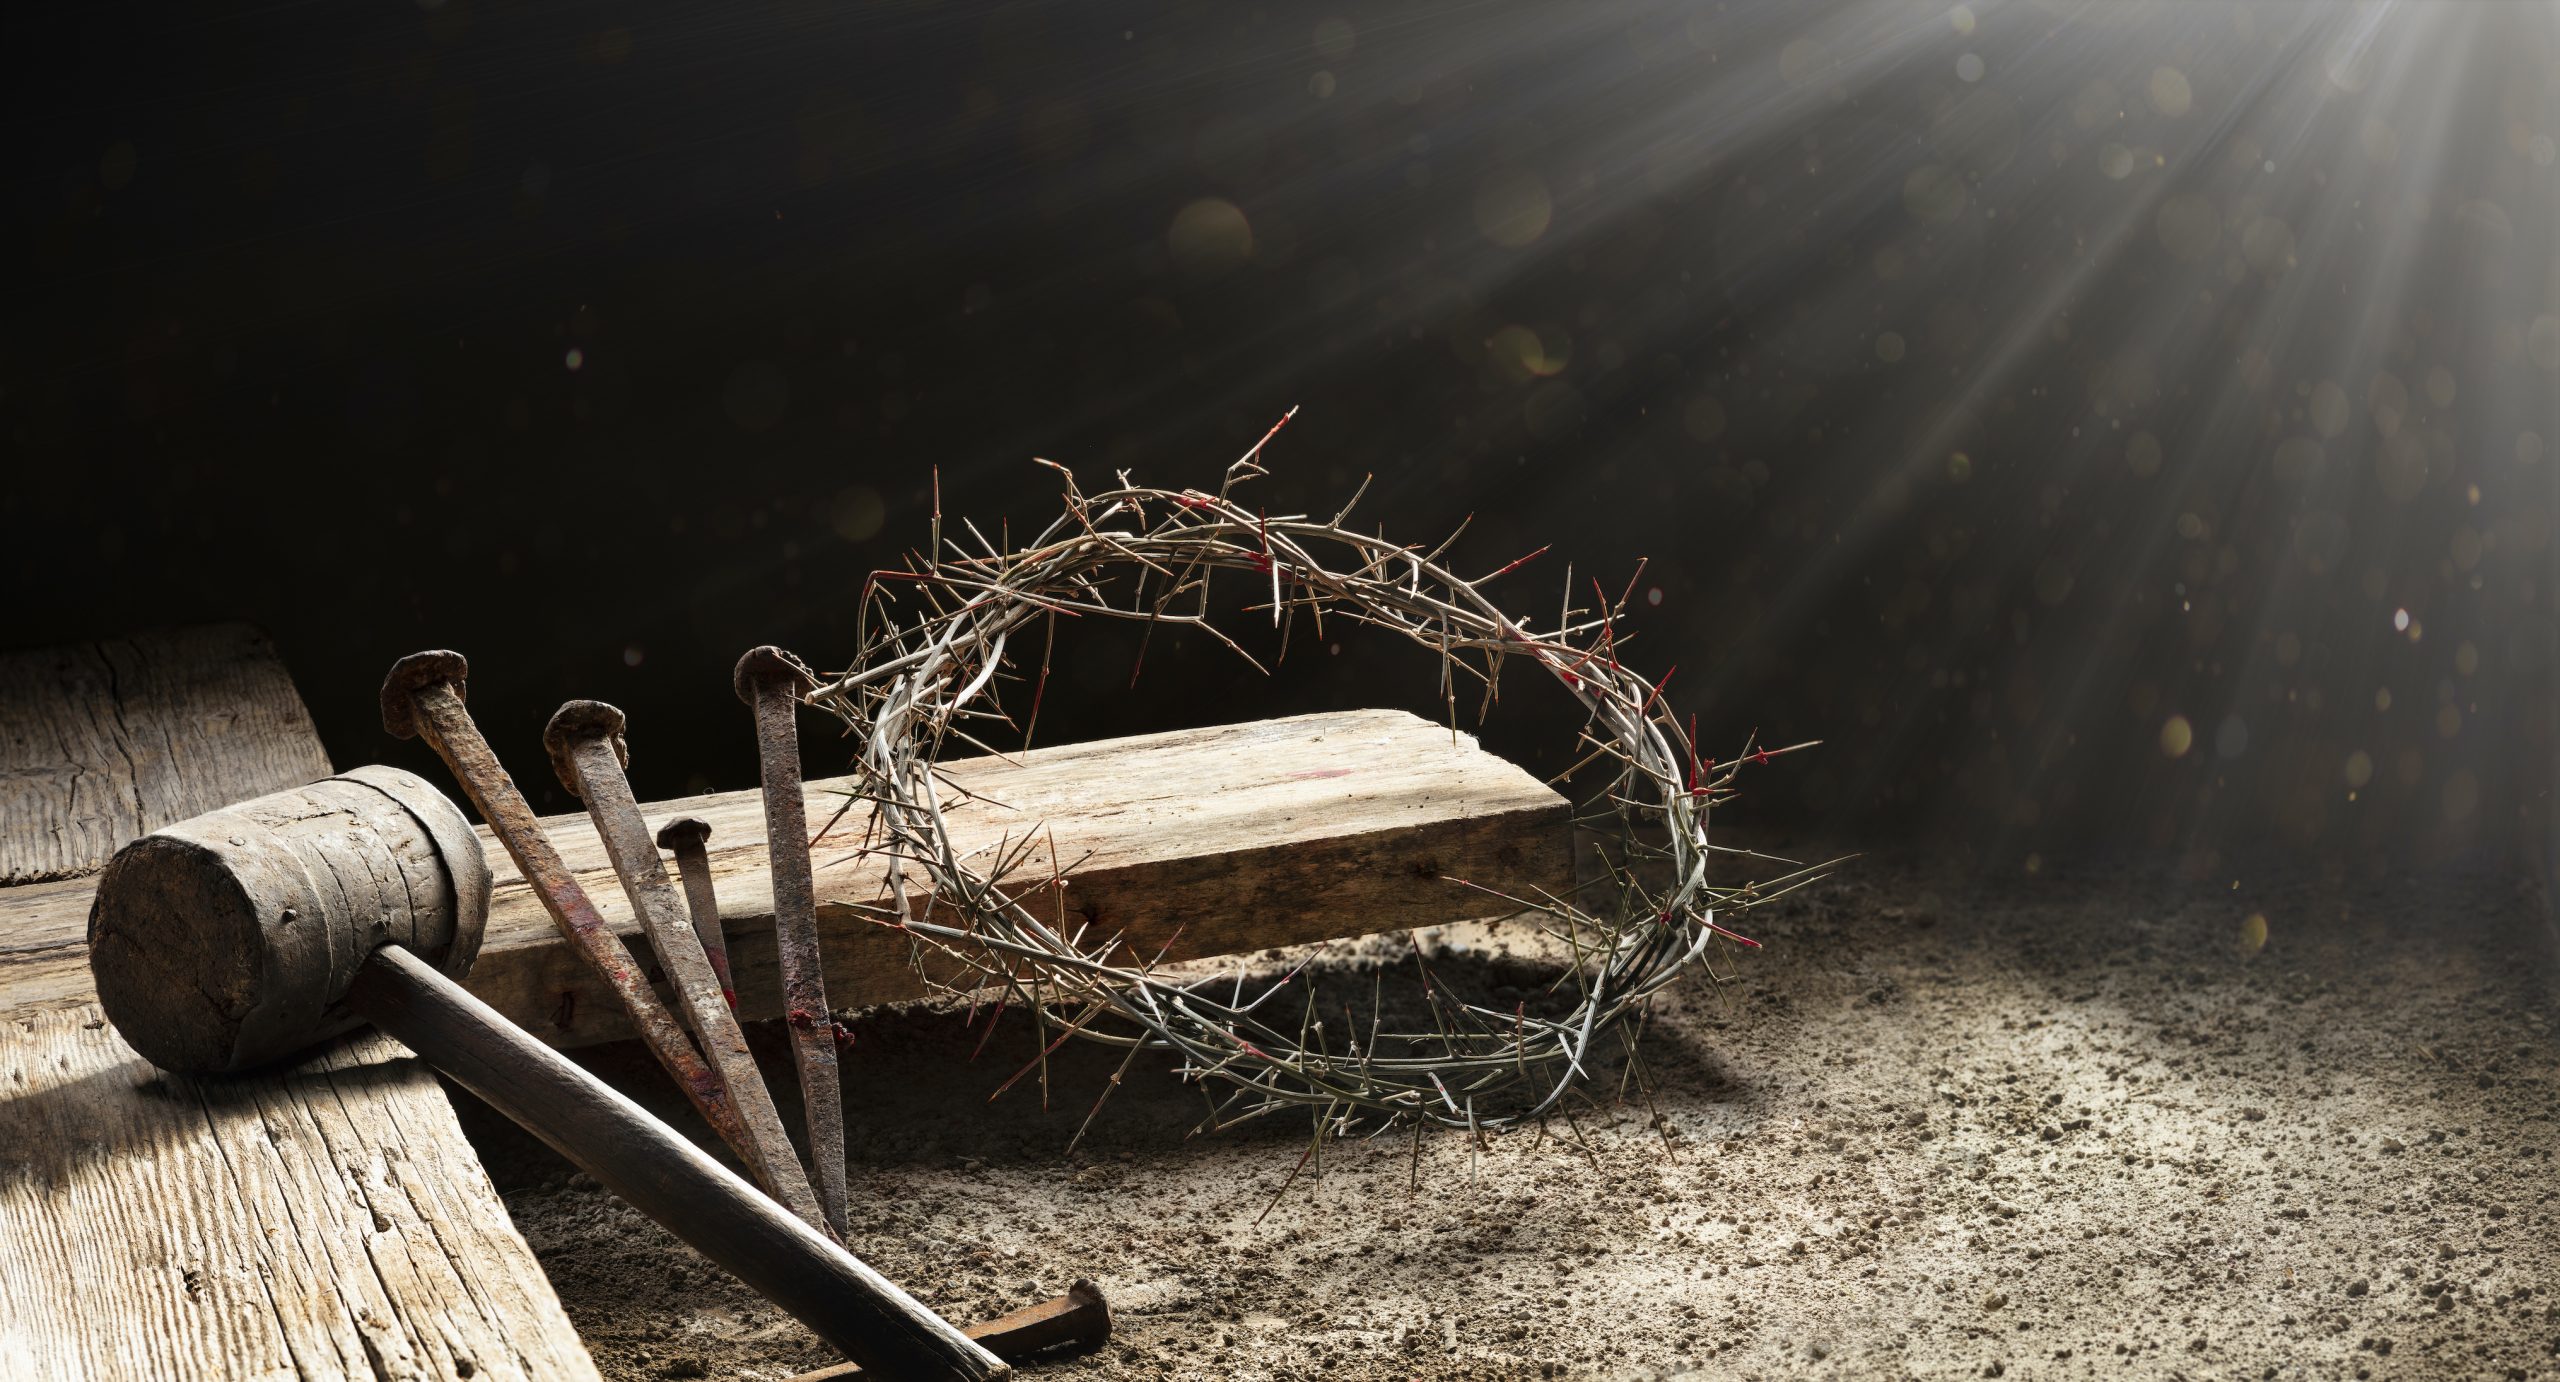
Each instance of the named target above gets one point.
<point>2095,461</point>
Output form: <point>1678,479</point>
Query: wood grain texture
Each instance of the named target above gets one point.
<point>1240,836</point>
<point>1244,836</point>
<point>103,742</point>
<point>326,1222</point>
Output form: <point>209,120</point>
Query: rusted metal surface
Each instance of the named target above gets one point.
<point>1076,1322</point>
<point>586,746</point>
<point>423,698</point>
<point>771,681</point>
<point>685,837</point>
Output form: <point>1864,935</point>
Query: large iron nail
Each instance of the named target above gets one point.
<point>685,837</point>
<point>423,698</point>
<point>1080,1318</point>
<point>585,742</point>
<point>771,681</point>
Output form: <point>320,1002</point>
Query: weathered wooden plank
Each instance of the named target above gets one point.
<point>1242,836</point>
<point>324,1222</point>
<point>1239,837</point>
<point>328,1221</point>
<point>102,742</point>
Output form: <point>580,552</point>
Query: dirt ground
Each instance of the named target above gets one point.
<point>2064,1125</point>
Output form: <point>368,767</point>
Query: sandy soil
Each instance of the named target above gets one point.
<point>2061,1126</point>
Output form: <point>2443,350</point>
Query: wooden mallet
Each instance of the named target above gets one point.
<point>245,935</point>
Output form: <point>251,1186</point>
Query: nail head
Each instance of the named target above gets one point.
<point>412,674</point>
<point>766,664</point>
<point>575,723</point>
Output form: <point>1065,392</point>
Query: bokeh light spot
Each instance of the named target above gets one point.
<point>2253,933</point>
<point>2231,737</point>
<point>1210,238</point>
<point>2142,455</point>
<point>856,512</point>
<point>1519,354</point>
<point>2268,246</point>
<point>1513,208</point>
<point>1934,193</point>
<point>2440,387</point>
<point>2170,93</point>
<point>2542,341</point>
<point>1889,346</point>
<point>2177,736</point>
<point>2388,400</point>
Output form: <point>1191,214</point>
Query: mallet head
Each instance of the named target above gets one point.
<point>226,941</point>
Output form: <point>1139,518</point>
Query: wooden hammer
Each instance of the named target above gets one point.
<point>237,938</point>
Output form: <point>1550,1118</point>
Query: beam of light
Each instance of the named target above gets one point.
<point>2158,353</point>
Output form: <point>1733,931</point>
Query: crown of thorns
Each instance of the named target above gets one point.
<point>934,636</point>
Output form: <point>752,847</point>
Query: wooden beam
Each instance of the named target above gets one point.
<point>1241,836</point>
<point>324,1222</point>
<point>327,1221</point>
<point>103,742</point>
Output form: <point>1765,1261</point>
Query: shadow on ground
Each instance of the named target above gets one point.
<point>2084,1123</point>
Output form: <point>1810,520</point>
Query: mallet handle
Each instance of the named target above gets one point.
<point>662,1174</point>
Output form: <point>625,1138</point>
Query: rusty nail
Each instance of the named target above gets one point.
<point>772,681</point>
<point>1081,1318</point>
<point>586,746</point>
<point>422,697</point>
<point>685,837</point>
